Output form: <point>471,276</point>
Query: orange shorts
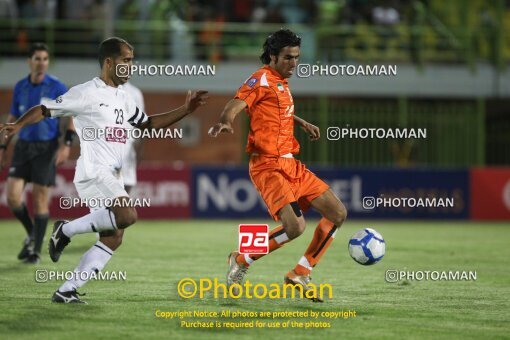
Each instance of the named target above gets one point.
<point>284,180</point>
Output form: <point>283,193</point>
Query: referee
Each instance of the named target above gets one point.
<point>35,154</point>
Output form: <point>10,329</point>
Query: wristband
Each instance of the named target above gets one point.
<point>3,147</point>
<point>68,138</point>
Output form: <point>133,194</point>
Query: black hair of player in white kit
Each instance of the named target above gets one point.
<point>110,48</point>
<point>276,41</point>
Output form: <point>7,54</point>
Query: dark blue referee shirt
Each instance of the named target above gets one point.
<point>27,95</point>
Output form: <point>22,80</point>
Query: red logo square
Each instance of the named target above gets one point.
<point>253,239</point>
<point>116,134</point>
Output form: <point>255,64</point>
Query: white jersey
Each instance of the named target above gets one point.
<point>136,94</point>
<point>130,163</point>
<point>99,113</point>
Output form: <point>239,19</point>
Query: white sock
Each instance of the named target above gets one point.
<point>248,259</point>
<point>96,221</point>
<point>282,238</point>
<point>94,260</point>
<point>303,261</point>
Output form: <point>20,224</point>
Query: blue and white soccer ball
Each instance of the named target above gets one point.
<point>367,247</point>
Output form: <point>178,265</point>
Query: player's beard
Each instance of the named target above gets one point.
<point>123,80</point>
<point>119,80</point>
<point>285,72</point>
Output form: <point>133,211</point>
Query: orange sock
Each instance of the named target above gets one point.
<point>277,238</point>
<point>322,238</point>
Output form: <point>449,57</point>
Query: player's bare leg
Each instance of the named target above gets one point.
<point>15,202</point>
<point>93,261</point>
<point>15,188</point>
<point>334,214</point>
<point>292,220</point>
<point>120,216</point>
<point>330,207</point>
<point>96,258</point>
<point>124,215</point>
<point>112,239</point>
<point>293,225</point>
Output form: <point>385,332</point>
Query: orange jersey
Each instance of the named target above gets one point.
<point>271,111</point>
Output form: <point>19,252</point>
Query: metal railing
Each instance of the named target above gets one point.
<point>455,132</point>
<point>164,40</point>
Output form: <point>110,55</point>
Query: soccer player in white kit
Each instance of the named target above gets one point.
<point>134,145</point>
<point>100,104</point>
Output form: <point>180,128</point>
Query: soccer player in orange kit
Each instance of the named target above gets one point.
<point>285,184</point>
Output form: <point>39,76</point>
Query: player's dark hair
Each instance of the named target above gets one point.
<point>110,48</point>
<point>38,46</point>
<point>278,40</point>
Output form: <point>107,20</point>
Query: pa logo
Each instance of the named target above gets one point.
<point>253,238</point>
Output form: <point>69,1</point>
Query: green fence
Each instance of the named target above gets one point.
<point>430,38</point>
<point>498,134</point>
<point>455,132</point>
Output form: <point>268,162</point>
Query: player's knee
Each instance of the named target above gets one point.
<point>295,227</point>
<point>13,201</point>
<point>131,217</point>
<point>112,238</point>
<point>340,215</point>
<point>113,242</point>
<point>125,217</point>
<point>116,241</point>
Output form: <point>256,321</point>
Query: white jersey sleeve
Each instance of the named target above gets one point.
<point>71,103</point>
<point>136,116</point>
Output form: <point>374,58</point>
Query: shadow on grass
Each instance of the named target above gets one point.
<point>47,316</point>
<point>18,266</point>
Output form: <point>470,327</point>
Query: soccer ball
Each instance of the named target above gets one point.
<point>367,247</point>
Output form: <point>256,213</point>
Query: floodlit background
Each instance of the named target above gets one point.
<point>453,80</point>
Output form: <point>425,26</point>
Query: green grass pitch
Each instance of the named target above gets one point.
<point>156,255</point>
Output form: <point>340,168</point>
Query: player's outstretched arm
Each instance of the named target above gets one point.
<point>194,100</point>
<point>227,117</point>
<point>4,143</point>
<point>312,130</point>
<point>33,116</point>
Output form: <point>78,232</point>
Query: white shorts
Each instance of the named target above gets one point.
<point>129,167</point>
<point>107,185</point>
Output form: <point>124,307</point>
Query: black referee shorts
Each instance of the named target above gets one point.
<point>35,161</point>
